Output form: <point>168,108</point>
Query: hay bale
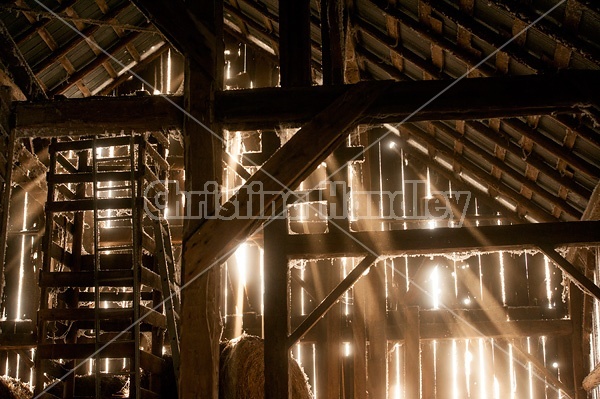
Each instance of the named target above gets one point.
<point>242,371</point>
<point>11,388</point>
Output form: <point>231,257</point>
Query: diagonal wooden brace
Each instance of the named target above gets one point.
<point>578,278</point>
<point>284,171</point>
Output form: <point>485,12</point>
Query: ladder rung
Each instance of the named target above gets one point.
<point>88,177</point>
<point>107,278</point>
<point>111,218</point>
<point>83,351</point>
<point>114,159</point>
<point>116,248</point>
<point>88,144</point>
<point>88,204</point>
<point>113,188</point>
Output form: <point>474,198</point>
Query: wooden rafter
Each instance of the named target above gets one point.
<point>77,39</point>
<point>470,61</point>
<point>460,185</point>
<point>455,137</point>
<point>526,15</point>
<point>96,63</point>
<point>181,29</point>
<point>493,185</point>
<point>15,66</point>
<point>144,61</point>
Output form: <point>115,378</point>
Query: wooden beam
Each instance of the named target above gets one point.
<point>331,299</point>
<point>8,142</point>
<point>333,40</point>
<point>443,240</point>
<point>483,176</point>
<point>183,30</point>
<point>15,66</point>
<point>72,80</point>
<point>302,154</point>
<point>41,23</point>
<point>276,313</point>
<point>475,98</point>
<point>270,107</point>
<point>574,274</point>
<point>294,43</point>
<point>145,60</point>
<point>525,14</point>
<point>412,350</point>
<point>197,28</point>
<point>500,165</point>
<point>97,115</point>
<point>76,39</point>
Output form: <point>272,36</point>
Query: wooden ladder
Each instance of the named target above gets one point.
<point>98,290</point>
<point>166,267</point>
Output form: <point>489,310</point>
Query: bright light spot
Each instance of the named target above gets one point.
<point>467,301</point>
<point>496,388</point>
<point>156,92</point>
<point>555,365</point>
<point>454,370</point>
<point>323,164</point>
<point>431,224</point>
<point>227,52</point>
<point>548,282</point>
<point>396,391</point>
<point>435,287</point>
<point>502,281</point>
<point>241,259</point>
<point>346,349</point>
<point>392,145</point>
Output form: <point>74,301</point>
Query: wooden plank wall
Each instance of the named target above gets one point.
<point>371,340</point>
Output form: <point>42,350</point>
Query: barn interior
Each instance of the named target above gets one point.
<point>401,197</point>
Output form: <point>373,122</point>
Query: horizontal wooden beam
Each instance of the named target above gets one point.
<point>95,115</point>
<point>476,98</point>
<point>442,240</point>
<point>469,325</point>
<point>242,215</point>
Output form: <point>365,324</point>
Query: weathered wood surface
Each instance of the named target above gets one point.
<point>474,98</point>
<point>91,115</point>
<point>243,213</point>
<point>185,30</point>
<point>294,43</point>
<point>17,69</point>
<point>443,240</point>
<point>271,107</point>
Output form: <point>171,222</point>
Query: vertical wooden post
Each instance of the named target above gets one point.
<point>7,145</point>
<point>359,349</point>
<point>201,323</point>
<point>276,315</point>
<point>333,344</point>
<point>333,41</point>
<point>294,63</point>
<point>412,354</point>
<point>377,361</point>
<point>294,43</point>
